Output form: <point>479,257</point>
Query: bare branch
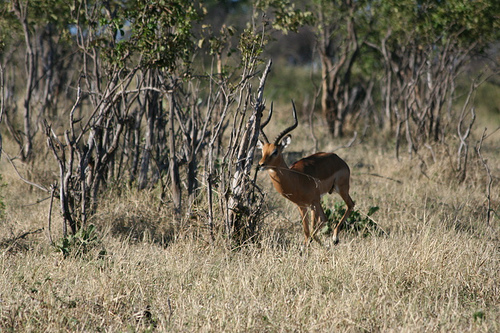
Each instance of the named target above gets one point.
<point>41,187</point>
<point>490,178</point>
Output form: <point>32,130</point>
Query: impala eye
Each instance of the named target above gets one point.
<point>275,152</point>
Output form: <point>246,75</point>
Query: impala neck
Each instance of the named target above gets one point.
<point>280,175</point>
<point>279,165</point>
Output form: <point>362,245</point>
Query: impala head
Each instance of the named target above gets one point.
<point>272,152</point>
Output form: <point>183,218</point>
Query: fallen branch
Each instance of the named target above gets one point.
<point>10,242</point>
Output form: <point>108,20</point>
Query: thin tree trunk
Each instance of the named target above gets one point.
<point>22,14</point>
<point>174,165</point>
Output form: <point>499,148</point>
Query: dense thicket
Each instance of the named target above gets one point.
<point>163,93</point>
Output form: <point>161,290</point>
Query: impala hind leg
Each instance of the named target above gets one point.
<point>350,206</point>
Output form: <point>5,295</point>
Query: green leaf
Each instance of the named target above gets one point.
<point>372,210</point>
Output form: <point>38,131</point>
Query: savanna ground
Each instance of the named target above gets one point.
<point>436,268</point>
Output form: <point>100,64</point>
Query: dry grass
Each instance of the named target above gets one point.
<point>437,269</point>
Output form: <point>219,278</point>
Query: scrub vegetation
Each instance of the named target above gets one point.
<point>130,198</point>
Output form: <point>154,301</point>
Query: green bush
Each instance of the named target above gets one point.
<point>357,223</point>
<point>80,243</point>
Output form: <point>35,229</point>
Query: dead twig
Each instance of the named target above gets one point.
<point>490,178</point>
<point>349,144</point>
<point>36,202</point>
<point>379,176</point>
<point>49,223</point>
<point>41,187</point>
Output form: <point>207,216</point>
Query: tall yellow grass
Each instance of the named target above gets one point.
<point>436,269</point>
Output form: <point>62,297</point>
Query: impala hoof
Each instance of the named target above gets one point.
<point>335,240</point>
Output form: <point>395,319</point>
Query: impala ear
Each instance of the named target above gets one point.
<point>260,144</point>
<point>286,141</point>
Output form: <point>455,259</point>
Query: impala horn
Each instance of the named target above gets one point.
<point>265,123</point>
<point>289,129</point>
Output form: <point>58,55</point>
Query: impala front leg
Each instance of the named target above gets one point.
<point>318,219</point>
<point>305,224</point>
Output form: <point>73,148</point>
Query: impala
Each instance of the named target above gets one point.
<point>306,180</point>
